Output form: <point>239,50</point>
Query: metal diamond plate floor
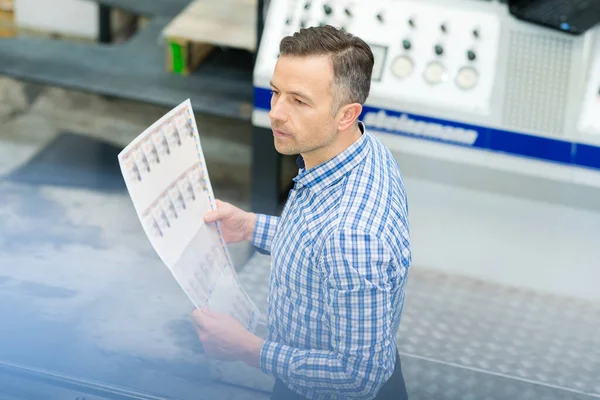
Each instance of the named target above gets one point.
<point>465,339</point>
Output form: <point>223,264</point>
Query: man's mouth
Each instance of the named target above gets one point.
<point>278,133</point>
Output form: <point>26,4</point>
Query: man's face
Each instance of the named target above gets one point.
<point>301,105</point>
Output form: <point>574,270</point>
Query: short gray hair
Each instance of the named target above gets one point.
<point>351,56</point>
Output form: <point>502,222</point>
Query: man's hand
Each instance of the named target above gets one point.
<point>236,224</point>
<point>224,338</point>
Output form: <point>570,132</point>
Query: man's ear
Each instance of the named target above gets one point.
<point>348,115</point>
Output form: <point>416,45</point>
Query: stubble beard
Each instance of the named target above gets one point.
<point>290,147</point>
<point>287,149</point>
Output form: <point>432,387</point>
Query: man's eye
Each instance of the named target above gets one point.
<point>299,102</point>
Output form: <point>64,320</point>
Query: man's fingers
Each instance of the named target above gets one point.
<point>199,317</point>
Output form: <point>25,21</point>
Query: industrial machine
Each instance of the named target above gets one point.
<point>494,120</point>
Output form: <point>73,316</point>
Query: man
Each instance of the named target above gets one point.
<point>340,250</point>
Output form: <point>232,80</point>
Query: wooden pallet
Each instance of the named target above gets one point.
<point>7,18</point>
<point>205,25</point>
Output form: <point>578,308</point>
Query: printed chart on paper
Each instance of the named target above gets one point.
<point>165,173</point>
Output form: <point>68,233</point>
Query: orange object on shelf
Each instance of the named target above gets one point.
<point>7,18</point>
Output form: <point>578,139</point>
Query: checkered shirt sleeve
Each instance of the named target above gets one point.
<point>264,230</point>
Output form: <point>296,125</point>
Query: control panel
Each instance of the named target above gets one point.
<point>589,122</point>
<point>424,53</point>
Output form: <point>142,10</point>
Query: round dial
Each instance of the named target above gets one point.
<point>402,67</point>
<point>435,72</point>
<point>467,78</point>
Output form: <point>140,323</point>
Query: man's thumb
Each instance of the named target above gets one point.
<point>211,216</point>
<point>214,215</point>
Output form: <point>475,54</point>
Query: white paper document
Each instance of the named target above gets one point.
<point>165,173</point>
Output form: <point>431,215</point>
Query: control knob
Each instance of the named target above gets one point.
<point>402,67</point>
<point>435,72</point>
<point>467,78</point>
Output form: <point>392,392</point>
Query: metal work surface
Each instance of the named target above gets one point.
<point>467,339</point>
<point>86,303</point>
<point>87,298</point>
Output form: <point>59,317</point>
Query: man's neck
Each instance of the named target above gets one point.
<point>344,140</point>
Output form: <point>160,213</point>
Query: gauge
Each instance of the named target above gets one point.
<point>467,78</point>
<point>402,67</point>
<point>435,72</point>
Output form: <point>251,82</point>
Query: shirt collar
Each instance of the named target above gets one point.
<point>331,171</point>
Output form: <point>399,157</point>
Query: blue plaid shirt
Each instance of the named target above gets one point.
<point>340,257</point>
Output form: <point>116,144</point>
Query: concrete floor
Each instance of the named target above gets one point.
<point>83,294</point>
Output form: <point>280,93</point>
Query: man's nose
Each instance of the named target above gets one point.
<point>277,111</point>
